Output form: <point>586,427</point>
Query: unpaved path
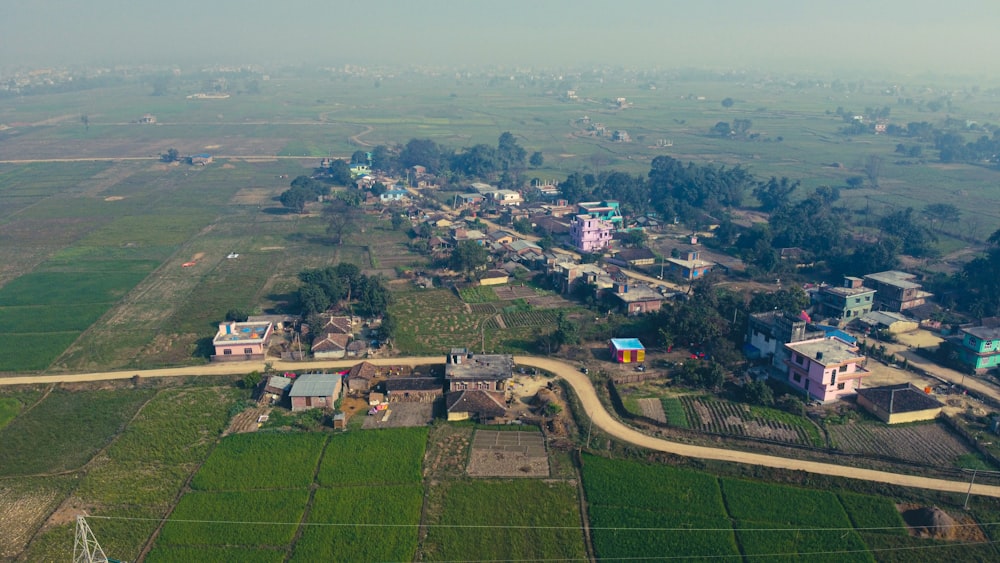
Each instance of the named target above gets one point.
<point>584,389</point>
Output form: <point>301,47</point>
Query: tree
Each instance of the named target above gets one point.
<point>359,157</point>
<point>727,102</point>
<point>294,199</point>
<point>722,129</point>
<point>237,315</point>
<point>758,393</point>
<point>170,156</point>
<point>536,160</point>
<point>854,182</point>
<point>397,221</point>
<point>340,219</point>
<point>634,239</point>
<point>510,154</point>
<point>942,212</point>
<point>468,256</point>
<point>422,152</point>
<point>340,173</point>
<point>774,193</point>
<point>522,225</point>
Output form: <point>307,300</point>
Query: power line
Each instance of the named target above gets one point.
<point>529,527</point>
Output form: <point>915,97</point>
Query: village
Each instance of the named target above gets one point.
<point>847,343</point>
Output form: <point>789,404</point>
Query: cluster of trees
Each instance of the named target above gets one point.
<point>504,162</point>
<point>976,288</point>
<point>303,190</point>
<point>343,284</point>
<point>739,128</point>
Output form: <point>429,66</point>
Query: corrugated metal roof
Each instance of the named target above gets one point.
<point>315,385</point>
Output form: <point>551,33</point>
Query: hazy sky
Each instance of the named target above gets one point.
<point>897,35</point>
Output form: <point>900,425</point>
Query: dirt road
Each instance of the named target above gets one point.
<point>591,404</point>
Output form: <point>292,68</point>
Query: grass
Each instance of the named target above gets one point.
<point>648,486</point>
<point>779,504</point>
<point>547,526</point>
<point>241,460</point>
<point>674,410</point>
<point>478,294</point>
<point>26,503</point>
<point>622,532</point>
<point>362,524</point>
<point>71,426</point>
<point>374,457</point>
<point>873,514</point>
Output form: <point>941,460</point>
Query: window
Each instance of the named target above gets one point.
<point>248,350</point>
<point>840,386</point>
<point>833,377</point>
<point>799,359</point>
<point>843,369</point>
<point>227,352</point>
<point>868,297</point>
<point>857,300</point>
<point>797,378</point>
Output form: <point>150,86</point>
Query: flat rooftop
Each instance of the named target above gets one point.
<point>899,398</point>
<point>984,332</point>
<point>639,293</point>
<point>847,291</point>
<point>241,332</point>
<point>627,344</point>
<point>895,278</point>
<point>827,351</point>
<point>462,364</point>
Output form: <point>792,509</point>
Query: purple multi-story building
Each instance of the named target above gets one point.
<point>589,234</point>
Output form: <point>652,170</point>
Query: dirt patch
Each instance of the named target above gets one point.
<point>212,147</point>
<point>253,196</point>
<point>267,248</point>
<point>447,450</point>
<point>508,454</point>
<point>932,522</point>
<point>919,339</point>
<point>227,166</point>
<point>400,415</point>
<point>246,421</point>
<point>114,198</point>
<point>653,409</point>
<point>198,256</point>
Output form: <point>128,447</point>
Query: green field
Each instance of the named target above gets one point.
<point>241,460</point>
<point>390,457</point>
<point>546,527</point>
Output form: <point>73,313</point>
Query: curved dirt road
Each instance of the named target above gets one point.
<point>588,398</point>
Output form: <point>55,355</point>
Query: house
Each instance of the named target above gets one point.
<point>464,369</point>
<point>440,221</point>
<point>360,378</point>
<point>147,119</point>
<point>506,197</point>
<point>523,247</point>
<point>636,299</point>
<point>620,136</point>
<point>565,275</point>
<point>237,341</point>
<point>826,368</point>
<point>276,388</point>
<point>589,234</point>
<point>888,321</point>
<point>357,349</point>
<point>438,244</point>
<point>330,346</point>
<point>502,237</point>
<point>475,404</point>
<point>460,235</point>
<point>896,291</point>
<point>604,210</point>
<point>375,398</point>
<point>360,170</point>
<point>468,200</point>
<point>494,277</point>
<point>390,196</point>
<point>413,389</point>
<point>315,391</point>
<point>337,325</point>
<point>767,333</point>
<point>691,266</point>
<point>628,350</point>
<point>634,257</point>
<point>979,347</point>
<point>896,404</point>
<point>201,159</point>
<point>847,302</point>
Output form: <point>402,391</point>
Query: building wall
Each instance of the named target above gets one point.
<point>305,403</point>
<point>629,356</point>
<point>824,383</point>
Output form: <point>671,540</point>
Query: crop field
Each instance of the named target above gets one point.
<point>546,527</point>
<point>391,456</point>
<point>73,426</point>
<point>221,518</point>
<point>929,443</point>
<point>874,514</point>
<point>724,417</point>
<point>674,409</point>
<point>362,524</point>
<point>240,460</point>
<point>478,294</point>
<point>432,321</point>
<point>185,554</point>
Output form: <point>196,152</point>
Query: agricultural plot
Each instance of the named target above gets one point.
<point>508,454</point>
<point>478,294</point>
<point>435,320</point>
<point>674,411</point>
<point>524,319</point>
<point>240,461</point>
<point>374,457</point>
<point>873,514</point>
<point>650,487</point>
<point>622,532</point>
<point>546,527</point>
<point>723,417</point>
<point>72,426</point>
<point>174,429</point>
<point>25,503</point>
<point>184,554</point>
<point>362,524</point>
<point>227,518</point>
<point>929,443</point>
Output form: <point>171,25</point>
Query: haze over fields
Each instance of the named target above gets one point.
<point>895,36</point>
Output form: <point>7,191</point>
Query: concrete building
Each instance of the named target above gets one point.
<point>825,368</point>
<point>767,334</point>
<point>589,234</point>
<point>979,347</point>
<point>637,299</point>
<point>846,302</point>
<point>691,266</point>
<point>896,291</point>
<point>237,341</point>
<point>315,391</point>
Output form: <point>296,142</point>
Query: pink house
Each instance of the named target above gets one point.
<point>589,234</point>
<point>241,341</point>
<point>825,368</point>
